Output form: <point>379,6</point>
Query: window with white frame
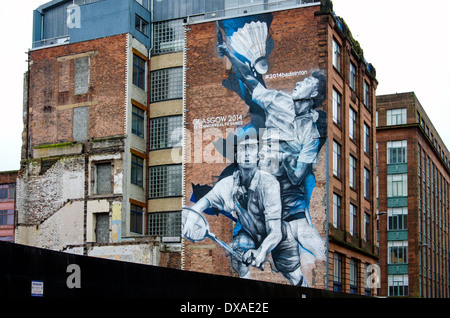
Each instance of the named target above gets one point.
<point>367,231</point>
<point>396,116</point>
<point>336,107</point>
<point>366,183</point>
<point>165,181</point>
<point>168,36</point>
<point>336,55</point>
<point>352,176</point>
<point>352,124</point>
<point>336,159</point>
<point>397,185</point>
<point>398,219</point>
<point>166,84</point>
<point>337,272</point>
<point>396,152</point>
<point>366,95</point>
<point>398,285</point>
<point>352,76</point>
<point>397,252</point>
<point>165,132</point>
<point>353,219</point>
<point>336,210</point>
<point>353,276</point>
<point>366,139</point>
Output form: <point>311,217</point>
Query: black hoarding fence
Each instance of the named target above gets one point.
<point>28,272</point>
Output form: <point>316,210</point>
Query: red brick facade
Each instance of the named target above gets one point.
<point>51,90</point>
<point>427,199</point>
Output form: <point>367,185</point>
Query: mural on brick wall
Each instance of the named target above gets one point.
<point>267,189</point>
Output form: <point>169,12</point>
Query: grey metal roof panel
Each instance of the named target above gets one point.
<point>50,4</point>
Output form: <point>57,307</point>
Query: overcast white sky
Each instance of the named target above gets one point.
<point>405,40</point>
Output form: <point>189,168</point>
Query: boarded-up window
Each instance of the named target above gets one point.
<point>81,75</point>
<point>80,123</point>
<point>102,178</point>
<point>102,227</point>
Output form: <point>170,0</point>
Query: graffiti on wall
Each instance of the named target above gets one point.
<point>267,190</point>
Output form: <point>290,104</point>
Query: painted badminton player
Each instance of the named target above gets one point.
<point>291,123</point>
<point>253,197</point>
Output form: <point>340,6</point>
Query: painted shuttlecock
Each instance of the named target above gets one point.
<point>250,42</point>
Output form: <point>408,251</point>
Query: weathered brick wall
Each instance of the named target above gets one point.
<point>8,177</point>
<point>52,97</point>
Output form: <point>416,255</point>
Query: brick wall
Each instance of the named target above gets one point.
<point>54,94</point>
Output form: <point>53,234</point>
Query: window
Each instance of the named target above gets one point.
<point>366,139</point>
<point>165,181</point>
<point>336,159</point>
<point>167,84</point>
<point>336,211</point>
<point>398,285</point>
<point>366,95</point>
<point>165,132</point>
<point>138,122</point>
<point>367,279</point>
<point>397,185</point>
<point>397,219</point>
<point>139,65</point>
<point>353,219</point>
<point>102,227</point>
<point>137,170</point>
<point>7,191</point>
<point>367,231</point>
<point>352,76</point>
<point>336,107</point>
<point>352,176</point>
<point>102,178</point>
<point>80,127</point>
<point>168,36</point>
<point>6,217</point>
<point>397,252</point>
<point>141,25</point>
<point>337,272</point>
<point>366,183</point>
<point>82,75</point>
<point>396,152</point>
<point>396,116</point>
<point>336,56</point>
<point>166,224</point>
<point>352,124</point>
<point>136,217</point>
<point>353,276</point>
